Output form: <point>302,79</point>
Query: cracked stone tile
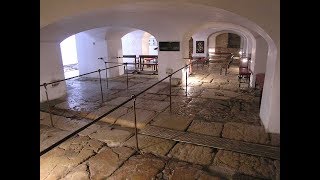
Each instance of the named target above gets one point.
<point>212,85</point>
<point>246,164</point>
<point>177,170</point>
<point>153,105</point>
<point>107,161</point>
<point>144,166</point>
<point>142,117</point>
<point>150,144</point>
<point>117,101</point>
<point>172,121</point>
<point>218,94</point>
<point>112,117</point>
<point>192,153</point>
<point>244,132</point>
<point>207,128</point>
<point>113,138</point>
<point>50,135</point>
<point>157,97</point>
<point>80,173</point>
<point>99,112</point>
<point>56,163</point>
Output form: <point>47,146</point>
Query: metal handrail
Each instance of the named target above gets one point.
<point>80,75</point>
<point>110,111</point>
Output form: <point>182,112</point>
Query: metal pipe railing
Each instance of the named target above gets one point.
<point>133,97</point>
<point>79,75</point>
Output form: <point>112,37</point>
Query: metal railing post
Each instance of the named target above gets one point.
<point>126,69</point>
<point>105,63</point>
<point>186,81</point>
<point>170,92</point>
<point>49,107</point>
<point>100,85</point>
<point>135,121</point>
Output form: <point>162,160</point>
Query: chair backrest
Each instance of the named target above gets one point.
<point>244,63</point>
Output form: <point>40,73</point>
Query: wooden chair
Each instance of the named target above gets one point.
<point>226,64</point>
<point>244,71</point>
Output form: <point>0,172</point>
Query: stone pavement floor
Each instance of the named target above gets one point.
<point>214,106</point>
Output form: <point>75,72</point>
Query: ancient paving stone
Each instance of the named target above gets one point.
<point>140,86</point>
<point>150,144</point>
<point>244,132</point>
<point>172,121</point>
<point>50,135</point>
<point>208,128</point>
<point>69,124</point>
<point>99,112</point>
<point>153,105</point>
<point>246,164</point>
<point>114,137</point>
<point>212,85</point>
<point>118,85</point>
<point>80,172</point>
<point>144,166</point>
<point>157,97</point>
<point>275,139</point>
<point>112,117</point>
<point>142,117</point>
<point>59,161</point>
<point>177,170</point>
<point>157,88</point>
<point>192,153</point>
<point>218,94</point>
<point>107,161</point>
<point>117,101</point>
<point>208,79</point>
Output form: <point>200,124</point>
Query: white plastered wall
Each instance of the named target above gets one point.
<point>89,50</point>
<point>51,69</point>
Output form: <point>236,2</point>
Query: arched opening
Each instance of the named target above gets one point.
<point>69,57</point>
<point>144,47</point>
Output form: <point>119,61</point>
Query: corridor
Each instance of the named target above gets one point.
<point>215,108</point>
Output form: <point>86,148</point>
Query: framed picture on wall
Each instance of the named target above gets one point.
<point>199,46</point>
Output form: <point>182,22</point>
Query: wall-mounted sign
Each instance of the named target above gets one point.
<point>199,46</point>
<point>169,46</point>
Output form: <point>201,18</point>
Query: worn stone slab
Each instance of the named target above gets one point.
<point>157,88</point>
<point>56,163</point>
<point>150,144</point>
<point>192,153</point>
<point>212,85</point>
<point>138,167</point>
<point>50,135</point>
<point>208,79</point>
<point>153,105</point>
<point>140,86</point>
<point>142,117</point>
<point>177,170</point>
<point>80,172</point>
<point>246,164</point>
<point>117,101</point>
<point>112,117</point>
<point>69,124</point>
<point>99,112</point>
<point>157,97</point>
<point>245,132</point>
<point>107,161</point>
<point>208,128</point>
<point>172,121</point>
<point>218,94</point>
<point>113,138</point>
